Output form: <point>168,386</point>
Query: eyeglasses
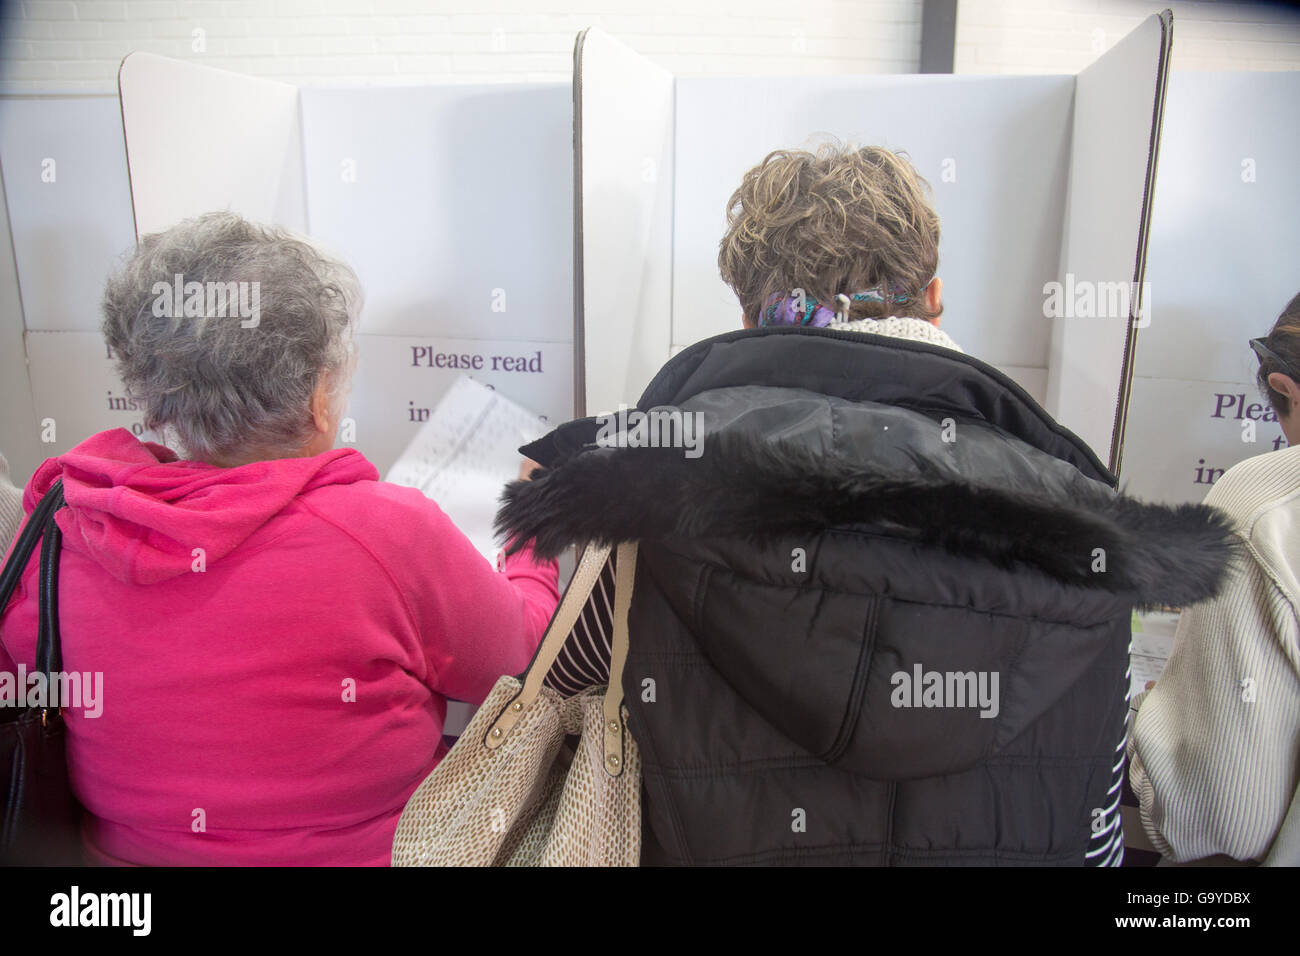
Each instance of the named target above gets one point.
<point>1264,352</point>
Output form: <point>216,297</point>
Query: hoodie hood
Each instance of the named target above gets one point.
<point>139,511</point>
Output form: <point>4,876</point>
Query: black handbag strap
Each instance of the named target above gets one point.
<point>41,525</point>
<point>26,543</point>
<point>49,646</point>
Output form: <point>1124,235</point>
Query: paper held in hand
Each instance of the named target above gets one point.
<point>465,453</point>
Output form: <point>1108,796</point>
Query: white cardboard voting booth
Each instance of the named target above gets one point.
<point>456,205</point>
<point>1036,179</point>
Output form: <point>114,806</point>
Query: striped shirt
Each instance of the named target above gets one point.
<point>1106,845</point>
<point>584,660</point>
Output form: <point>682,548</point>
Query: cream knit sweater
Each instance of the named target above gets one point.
<point>1214,756</point>
<point>11,508</point>
<point>906,327</point>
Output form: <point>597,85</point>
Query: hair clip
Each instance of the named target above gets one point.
<point>842,313</point>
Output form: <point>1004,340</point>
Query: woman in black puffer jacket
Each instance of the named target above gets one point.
<point>883,600</point>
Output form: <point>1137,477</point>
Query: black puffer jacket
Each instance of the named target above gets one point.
<point>883,618</point>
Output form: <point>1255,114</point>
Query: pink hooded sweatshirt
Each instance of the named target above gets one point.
<point>277,642</point>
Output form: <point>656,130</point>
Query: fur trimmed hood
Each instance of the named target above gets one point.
<point>845,430</point>
<point>756,490</point>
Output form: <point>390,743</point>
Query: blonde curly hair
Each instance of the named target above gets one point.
<point>841,220</point>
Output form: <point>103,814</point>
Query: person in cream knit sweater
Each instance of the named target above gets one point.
<point>1213,757</point>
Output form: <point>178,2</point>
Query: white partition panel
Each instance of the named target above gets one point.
<point>453,203</point>
<point>1222,266</point>
<point>19,439</point>
<point>623,115</point>
<point>201,139</point>
<point>68,218</point>
<point>1183,434</point>
<point>1226,227</point>
<point>1117,108</point>
<point>75,384</point>
<point>69,203</point>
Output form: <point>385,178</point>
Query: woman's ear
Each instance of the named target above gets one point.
<point>934,297</point>
<point>1287,386</point>
<point>320,406</point>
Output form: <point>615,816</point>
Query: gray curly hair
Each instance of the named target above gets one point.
<point>230,391</point>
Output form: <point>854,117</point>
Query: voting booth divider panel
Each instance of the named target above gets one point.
<point>67,207</point>
<point>564,240</point>
<point>623,123</point>
<point>1118,109</point>
<point>21,442</point>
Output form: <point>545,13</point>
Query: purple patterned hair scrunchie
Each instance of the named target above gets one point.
<point>798,308</point>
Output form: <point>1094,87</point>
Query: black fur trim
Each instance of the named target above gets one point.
<point>753,489</point>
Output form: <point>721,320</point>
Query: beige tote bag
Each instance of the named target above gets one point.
<point>512,792</point>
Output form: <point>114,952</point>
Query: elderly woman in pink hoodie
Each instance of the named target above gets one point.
<point>277,629</point>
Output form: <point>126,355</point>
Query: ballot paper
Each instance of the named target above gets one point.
<point>465,453</point>
<point>1153,642</point>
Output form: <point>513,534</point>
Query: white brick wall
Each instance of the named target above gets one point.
<point>1064,36</point>
<point>67,46</point>
<point>76,45</point>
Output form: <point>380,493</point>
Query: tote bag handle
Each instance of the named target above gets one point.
<point>566,616</point>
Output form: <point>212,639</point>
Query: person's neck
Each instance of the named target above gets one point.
<point>252,458</point>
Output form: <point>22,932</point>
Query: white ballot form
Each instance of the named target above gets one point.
<point>1153,642</point>
<point>465,453</point>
